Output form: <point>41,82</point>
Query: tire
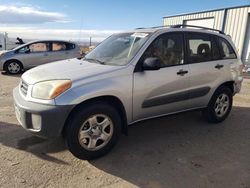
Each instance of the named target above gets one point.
<point>93,130</point>
<point>13,67</point>
<point>219,106</point>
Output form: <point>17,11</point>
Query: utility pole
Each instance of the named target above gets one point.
<point>90,42</point>
<point>5,40</point>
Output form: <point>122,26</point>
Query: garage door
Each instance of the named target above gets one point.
<point>206,22</point>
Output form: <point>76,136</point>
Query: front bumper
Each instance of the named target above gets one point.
<point>41,119</point>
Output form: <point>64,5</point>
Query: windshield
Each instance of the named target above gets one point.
<point>118,49</point>
<point>20,46</point>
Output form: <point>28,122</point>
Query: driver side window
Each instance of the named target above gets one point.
<point>168,48</point>
<point>23,49</point>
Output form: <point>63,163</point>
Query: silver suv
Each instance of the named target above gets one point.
<point>129,77</point>
<point>37,53</point>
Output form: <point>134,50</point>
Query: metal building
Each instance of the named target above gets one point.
<point>234,21</point>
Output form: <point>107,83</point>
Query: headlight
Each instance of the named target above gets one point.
<point>50,89</point>
<point>2,54</point>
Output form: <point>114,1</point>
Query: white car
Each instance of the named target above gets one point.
<point>37,53</point>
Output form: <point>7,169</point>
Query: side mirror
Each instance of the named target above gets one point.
<point>151,63</point>
<point>27,51</point>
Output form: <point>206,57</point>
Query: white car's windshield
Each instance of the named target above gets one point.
<point>118,49</point>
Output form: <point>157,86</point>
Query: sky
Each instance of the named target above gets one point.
<point>80,19</point>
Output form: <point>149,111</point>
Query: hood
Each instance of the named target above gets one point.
<point>72,69</point>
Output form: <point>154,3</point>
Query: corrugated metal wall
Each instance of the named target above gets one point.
<point>217,15</point>
<point>235,26</point>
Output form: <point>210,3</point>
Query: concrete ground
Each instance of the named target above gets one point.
<point>176,151</point>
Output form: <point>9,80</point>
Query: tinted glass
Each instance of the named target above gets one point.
<point>70,46</point>
<point>168,48</point>
<point>199,48</point>
<point>226,49</point>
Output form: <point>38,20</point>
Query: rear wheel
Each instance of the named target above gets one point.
<point>13,67</point>
<point>93,130</point>
<point>219,106</point>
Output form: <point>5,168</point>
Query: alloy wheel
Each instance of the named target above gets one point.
<point>96,132</point>
<point>221,105</point>
<point>14,67</point>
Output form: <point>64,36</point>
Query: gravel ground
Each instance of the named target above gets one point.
<point>175,151</point>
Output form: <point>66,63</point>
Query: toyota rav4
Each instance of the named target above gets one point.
<point>129,77</point>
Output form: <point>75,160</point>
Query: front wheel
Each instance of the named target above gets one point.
<point>93,130</point>
<point>219,106</point>
<point>13,67</point>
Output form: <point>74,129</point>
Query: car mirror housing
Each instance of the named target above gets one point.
<point>27,51</point>
<point>151,63</point>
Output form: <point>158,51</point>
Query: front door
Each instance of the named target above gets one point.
<point>163,91</point>
<point>38,54</point>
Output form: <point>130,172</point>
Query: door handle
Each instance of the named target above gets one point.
<point>182,72</point>
<point>218,66</point>
<point>45,54</point>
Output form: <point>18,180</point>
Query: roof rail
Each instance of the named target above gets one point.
<point>194,26</point>
<point>154,27</point>
<point>183,25</point>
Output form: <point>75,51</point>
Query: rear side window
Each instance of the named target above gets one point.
<point>58,46</point>
<point>226,49</point>
<point>199,48</point>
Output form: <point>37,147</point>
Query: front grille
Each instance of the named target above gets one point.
<point>24,87</point>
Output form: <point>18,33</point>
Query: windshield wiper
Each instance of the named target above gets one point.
<point>96,60</point>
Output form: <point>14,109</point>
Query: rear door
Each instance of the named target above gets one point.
<point>207,68</point>
<point>163,91</point>
<point>73,50</point>
<point>58,51</point>
<point>63,50</point>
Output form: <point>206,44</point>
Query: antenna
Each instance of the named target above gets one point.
<point>80,30</point>
<point>5,40</point>
<point>90,41</point>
